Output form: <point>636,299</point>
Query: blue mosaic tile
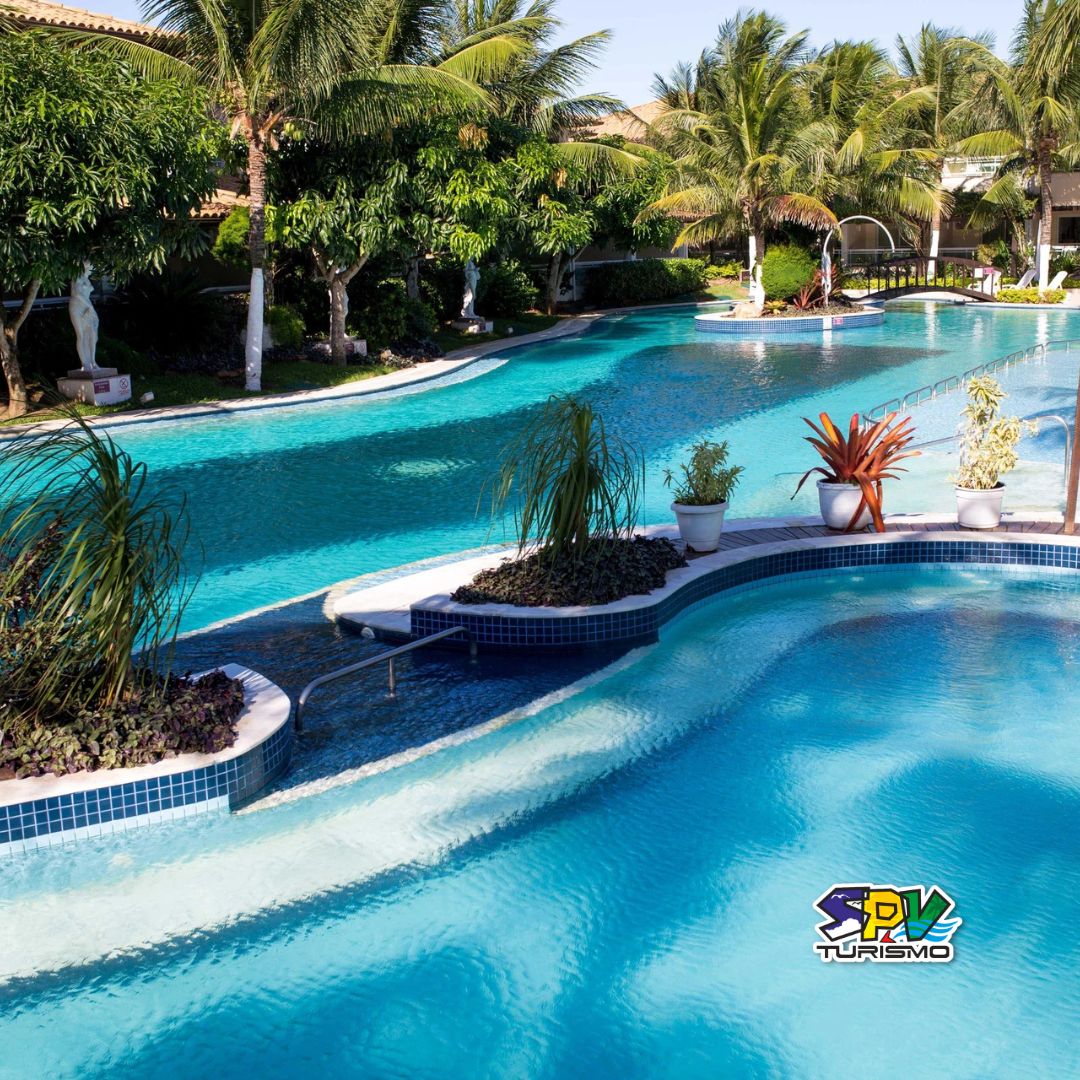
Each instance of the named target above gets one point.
<point>501,632</point>
<point>238,779</point>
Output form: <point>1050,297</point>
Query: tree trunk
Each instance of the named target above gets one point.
<point>1046,208</point>
<point>338,293</point>
<point>18,403</point>
<point>935,228</point>
<point>337,281</point>
<point>554,277</point>
<point>412,278</point>
<point>253,344</point>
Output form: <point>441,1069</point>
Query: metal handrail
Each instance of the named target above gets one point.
<point>371,661</point>
<point>1038,419</point>
<point>957,382</point>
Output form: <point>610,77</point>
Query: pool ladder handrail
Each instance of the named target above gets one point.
<point>1038,420</point>
<point>387,658</point>
<point>957,382</point>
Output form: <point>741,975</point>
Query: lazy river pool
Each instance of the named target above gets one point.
<point>621,883</point>
<point>289,500</point>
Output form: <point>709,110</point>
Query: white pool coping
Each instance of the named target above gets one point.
<point>385,608</point>
<point>266,709</point>
<point>425,372</point>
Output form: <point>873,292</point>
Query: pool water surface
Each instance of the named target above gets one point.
<point>289,500</point>
<point>621,883</point>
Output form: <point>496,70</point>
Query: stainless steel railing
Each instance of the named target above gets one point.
<point>383,658</point>
<point>950,383</point>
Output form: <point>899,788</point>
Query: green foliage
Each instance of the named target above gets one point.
<point>625,283</point>
<point>994,254</point>
<point>611,570</point>
<point>774,307</point>
<point>1030,295</point>
<point>90,573</point>
<point>286,326</point>
<point>158,719</point>
<point>728,270</point>
<point>173,317</point>
<point>95,164</point>
<point>707,479</point>
<point>231,243</point>
<point>1068,261</point>
<point>346,220</point>
<point>785,270</point>
<point>988,440</point>
<point>569,481</point>
<point>623,205</point>
<point>385,316</point>
<point>506,289</point>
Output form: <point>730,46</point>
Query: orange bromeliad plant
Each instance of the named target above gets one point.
<point>865,456</point>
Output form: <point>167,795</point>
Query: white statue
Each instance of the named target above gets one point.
<point>472,280</point>
<point>826,273</point>
<point>84,319</point>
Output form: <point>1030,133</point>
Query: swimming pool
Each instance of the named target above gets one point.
<point>620,884</point>
<point>285,501</point>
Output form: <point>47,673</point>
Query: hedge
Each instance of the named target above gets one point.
<point>785,270</point>
<point>1031,296</point>
<point>624,283</point>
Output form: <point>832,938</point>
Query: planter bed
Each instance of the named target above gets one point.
<point>43,810</point>
<point>783,324</point>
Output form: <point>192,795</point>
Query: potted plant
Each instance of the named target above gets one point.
<point>988,443</point>
<point>849,492</point>
<point>702,493</point>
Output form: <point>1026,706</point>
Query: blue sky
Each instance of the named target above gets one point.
<point>652,35</point>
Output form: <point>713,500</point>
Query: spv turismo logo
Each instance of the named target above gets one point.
<point>886,924</point>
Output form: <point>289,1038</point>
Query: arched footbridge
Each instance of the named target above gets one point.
<point>906,276</point>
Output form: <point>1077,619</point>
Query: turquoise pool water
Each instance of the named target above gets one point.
<point>621,884</point>
<point>286,501</point>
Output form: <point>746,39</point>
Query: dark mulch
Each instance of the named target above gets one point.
<point>609,570</point>
<point>182,716</point>
<point>836,307</point>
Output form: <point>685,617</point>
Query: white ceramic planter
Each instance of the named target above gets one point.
<point>838,502</point>
<point>700,526</point>
<point>979,509</point>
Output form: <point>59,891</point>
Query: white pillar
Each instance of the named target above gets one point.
<point>253,342</point>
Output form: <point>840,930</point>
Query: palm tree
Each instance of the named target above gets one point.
<point>950,71</point>
<point>277,65</point>
<point>852,86</point>
<point>1035,107</point>
<point>738,127</point>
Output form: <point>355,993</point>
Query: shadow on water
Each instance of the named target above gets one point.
<point>378,485</point>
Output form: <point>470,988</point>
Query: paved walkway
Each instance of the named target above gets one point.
<point>738,538</point>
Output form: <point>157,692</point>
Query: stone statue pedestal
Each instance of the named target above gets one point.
<point>475,325</point>
<point>101,386</point>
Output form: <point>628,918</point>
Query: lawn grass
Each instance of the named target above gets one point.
<point>170,389</point>
<point>449,339</point>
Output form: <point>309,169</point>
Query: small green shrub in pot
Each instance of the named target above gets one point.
<point>785,270</point>
<point>988,444</point>
<point>702,490</point>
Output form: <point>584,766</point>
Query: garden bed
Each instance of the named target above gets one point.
<point>611,570</point>
<point>185,716</point>
<point>834,307</point>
